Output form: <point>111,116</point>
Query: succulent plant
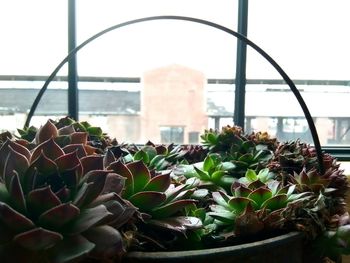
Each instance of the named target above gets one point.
<point>192,153</point>
<point>246,152</point>
<point>213,173</point>
<point>76,194</point>
<point>162,157</point>
<point>217,141</point>
<point>28,133</point>
<point>52,208</point>
<point>158,157</point>
<point>68,131</point>
<point>161,203</point>
<point>255,204</point>
<point>293,156</point>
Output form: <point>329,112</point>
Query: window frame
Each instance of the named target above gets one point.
<point>342,153</point>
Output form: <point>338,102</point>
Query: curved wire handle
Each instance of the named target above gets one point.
<point>204,22</point>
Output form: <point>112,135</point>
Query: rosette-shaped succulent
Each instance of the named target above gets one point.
<point>192,153</point>
<point>158,157</point>
<point>310,181</point>
<point>161,203</point>
<point>263,138</point>
<point>296,158</point>
<point>162,157</point>
<point>217,141</point>
<point>293,156</point>
<point>51,204</point>
<point>244,151</point>
<point>213,173</point>
<point>257,203</point>
<point>68,131</point>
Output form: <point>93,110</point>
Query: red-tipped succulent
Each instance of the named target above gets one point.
<point>52,205</point>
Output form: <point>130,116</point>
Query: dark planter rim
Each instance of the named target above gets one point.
<point>237,249</point>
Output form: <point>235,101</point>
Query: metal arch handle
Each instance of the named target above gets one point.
<point>204,22</point>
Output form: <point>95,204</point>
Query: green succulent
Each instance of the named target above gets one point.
<point>221,141</point>
<point>158,157</point>
<point>53,207</point>
<point>161,203</point>
<point>27,133</point>
<point>254,204</point>
<point>245,152</point>
<point>94,133</point>
<point>162,157</point>
<point>213,173</point>
<point>310,181</point>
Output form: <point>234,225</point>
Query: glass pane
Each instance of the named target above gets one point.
<point>155,74</point>
<point>33,42</point>
<point>308,40</point>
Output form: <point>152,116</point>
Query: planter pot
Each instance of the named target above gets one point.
<point>286,248</point>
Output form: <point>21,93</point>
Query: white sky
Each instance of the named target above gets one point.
<point>308,38</point>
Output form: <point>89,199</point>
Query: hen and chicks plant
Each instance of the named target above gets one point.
<point>53,207</point>
<point>161,197</point>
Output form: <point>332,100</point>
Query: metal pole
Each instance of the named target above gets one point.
<point>239,113</point>
<point>73,101</point>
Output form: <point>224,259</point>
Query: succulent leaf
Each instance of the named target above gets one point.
<point>66,130</point>
<point>70,249</point>
<point>140,174</point>
<point>16,193</point>
<point>146,201</point>
<point>141,155</point>
<point>260,195</point>
<point>276,202</point>
<point>221,198</point>
<point>96,179</point>
<point>58,216</point>
<point>46,132</point>
<point>114,183</point>
<point>44,165</point>
<point>91,162</point>
<point>42,199</point>
<point>14,220</point>
<point>78,138</point>
<point>108,158</point>
<point>67,161</point>
<point>38,239</point>
<point>88,218</point>
<point>171,209</point>
<point>14,162</point>
<point>159,183</point>
<point>19,148</point>
<point>240,190</point>
<point>239,204</point>
<point>78,148</point>
<point>50,148</point>
<point>119,168</point>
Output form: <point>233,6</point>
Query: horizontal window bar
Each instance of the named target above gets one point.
<point>310,82</point>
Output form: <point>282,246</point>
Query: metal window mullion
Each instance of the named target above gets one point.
<point>239,109</point>
<point>73,99</point>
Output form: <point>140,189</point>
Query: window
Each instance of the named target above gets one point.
<point>307,40</point>
<point>172,135</point>
<point>180,74</point>
<point>193,137</point>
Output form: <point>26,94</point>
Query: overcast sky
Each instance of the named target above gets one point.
<point>308,38</point>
